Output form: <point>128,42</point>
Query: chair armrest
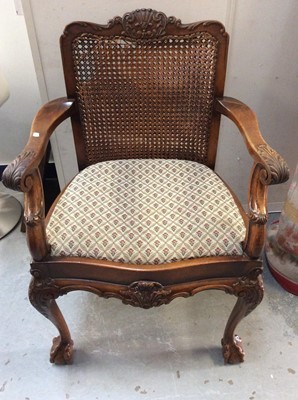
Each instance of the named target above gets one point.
<point>23,173</point>
<point>18,174</point>
<point>274,167</point>
<point>269,168</point>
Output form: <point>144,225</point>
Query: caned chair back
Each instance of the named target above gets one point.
<point>145,87</point>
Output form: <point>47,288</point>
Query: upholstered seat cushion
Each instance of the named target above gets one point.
<point>146,212</point>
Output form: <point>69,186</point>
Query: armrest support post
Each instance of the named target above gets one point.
<point>34,217</point>
<point>257,214</point>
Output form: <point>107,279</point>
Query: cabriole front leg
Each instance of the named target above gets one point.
<point>250,293</point>
<point>42,295</point>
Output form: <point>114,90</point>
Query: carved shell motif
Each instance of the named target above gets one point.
<point>145,294</point>
<point>144,23</point>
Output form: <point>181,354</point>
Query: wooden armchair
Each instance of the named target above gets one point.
<point>146,220</point>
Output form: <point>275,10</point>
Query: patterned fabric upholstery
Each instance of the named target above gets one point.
<point>146,212</point>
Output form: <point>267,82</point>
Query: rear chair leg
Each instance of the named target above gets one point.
<point>42,295</point>
<point>250,293</point>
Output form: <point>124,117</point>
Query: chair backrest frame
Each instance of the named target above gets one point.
<point>135,33</point>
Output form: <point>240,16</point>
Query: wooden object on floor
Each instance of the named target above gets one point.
<point>145,87</point>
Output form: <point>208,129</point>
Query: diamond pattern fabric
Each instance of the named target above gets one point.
<point>142,211</point>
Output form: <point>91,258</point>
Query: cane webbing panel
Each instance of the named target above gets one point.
<point>145,98</point>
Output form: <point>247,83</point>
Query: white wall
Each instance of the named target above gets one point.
<point>17,66</point>
<point>263,72</point>
<point>262,69</point>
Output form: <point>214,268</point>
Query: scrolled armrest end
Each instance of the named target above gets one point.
<point>275,168</point>
<point>16,175</point>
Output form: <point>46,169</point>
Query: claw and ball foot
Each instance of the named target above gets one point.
<point>42,295</point>
<point>233,353</point>
<point>61,353</point>
<point>250,293</point>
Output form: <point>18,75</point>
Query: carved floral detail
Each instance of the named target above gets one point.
<point>33,218</point>
<point>250,289</point>
<point>41,292</point>
<point>278,170</point>
<point>13,174</point>
<point>145,294</point>
<point>255,215</point>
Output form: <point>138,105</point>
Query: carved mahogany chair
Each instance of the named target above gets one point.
<point>146,220</point>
